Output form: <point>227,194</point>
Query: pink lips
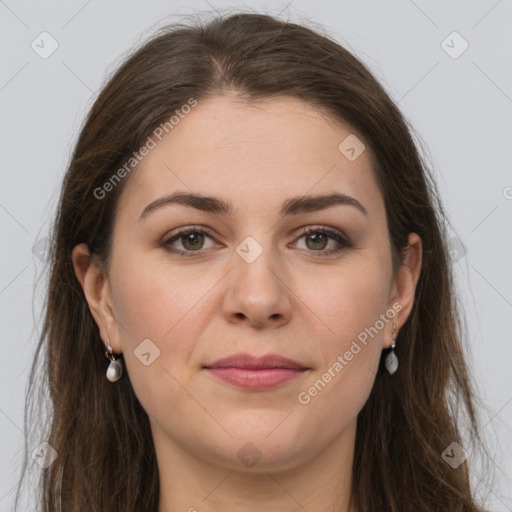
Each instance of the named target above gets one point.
<point>256,373</point>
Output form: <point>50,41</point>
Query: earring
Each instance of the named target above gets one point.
<point>391,361</point>
<point>115,368</point>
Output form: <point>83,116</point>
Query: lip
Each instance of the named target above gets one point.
<point>255,373</point>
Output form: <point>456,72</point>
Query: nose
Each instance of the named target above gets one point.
<point>258,292</point>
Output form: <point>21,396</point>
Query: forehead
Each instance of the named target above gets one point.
<point>257,152</point>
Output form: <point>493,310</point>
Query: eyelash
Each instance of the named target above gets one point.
<point>344,242</point>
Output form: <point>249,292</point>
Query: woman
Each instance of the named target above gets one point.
<point>251,304</point>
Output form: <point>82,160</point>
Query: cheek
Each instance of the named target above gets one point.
<point>153,299</point>
<point>157,311</point>
<point>348,301</point>
<point>352,309</point>
<point>162,304</point>
<point>145,306</point>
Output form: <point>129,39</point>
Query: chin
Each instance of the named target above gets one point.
<point>271,444</point>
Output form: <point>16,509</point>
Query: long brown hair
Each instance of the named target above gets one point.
<point>105,454</point>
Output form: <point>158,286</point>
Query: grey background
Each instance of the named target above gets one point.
<point>461,108</point>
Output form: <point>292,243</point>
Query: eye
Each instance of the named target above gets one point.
<point>316,239</point>
<point>191,240</point>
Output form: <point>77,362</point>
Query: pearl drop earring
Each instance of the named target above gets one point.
<point>391,361</point>
<point>115,368</point>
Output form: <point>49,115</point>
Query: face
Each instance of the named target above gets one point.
<point>189,286</point>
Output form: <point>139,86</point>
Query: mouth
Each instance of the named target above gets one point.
<point>256,373</point>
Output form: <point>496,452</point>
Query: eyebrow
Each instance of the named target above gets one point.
<point>292,206</point>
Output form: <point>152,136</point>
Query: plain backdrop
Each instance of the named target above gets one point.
<point>448,66</point>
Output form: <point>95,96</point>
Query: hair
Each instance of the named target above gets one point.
<point>100,432</point>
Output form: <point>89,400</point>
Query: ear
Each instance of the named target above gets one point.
<point>94,281</point>
<point>404,283</point>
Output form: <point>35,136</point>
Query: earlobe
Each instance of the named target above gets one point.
<point>95,285</point>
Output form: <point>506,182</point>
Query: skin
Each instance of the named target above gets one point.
<point>290,301</point>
